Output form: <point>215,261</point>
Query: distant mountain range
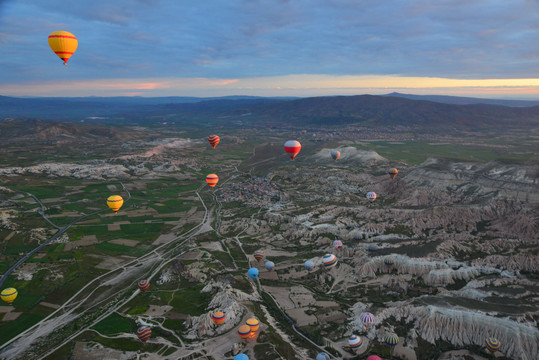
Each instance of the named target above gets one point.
<point>458,100</point>
<point>365,110</point>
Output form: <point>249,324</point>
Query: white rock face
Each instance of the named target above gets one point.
<point>226,299</point>
<point>350,153</point>
<point>461,327</point>
<point>95,171</point>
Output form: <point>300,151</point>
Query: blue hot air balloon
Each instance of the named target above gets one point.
<point>322,356</point>
<point>270,265</point>
<point>309,265</point>
<point>241,356</point>
<point>253,273</point>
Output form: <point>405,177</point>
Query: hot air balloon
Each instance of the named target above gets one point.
<point>337,244</point>
<point>244,331</point>
<point>254,324</point>
<point>64,44</point>
<point>292,147</point>
<point>322,356</point>
<point>355,342</point>
<point>218,318</point>
<point>389,262</point>
<point>115,202</point>
<point>492,344</point>
<point>253,273</point>
<point>270,265</point>
<point>393,172</point>
<point>259,255</point>
<point>144,333</point>
<point>241,357</point>
<point>212,180</point>
<point>335,154</point>
<point>330,261</point>
<point>367,319</point>
<point>372,248</point>
<point>391,340</point>
<point>143,285</point>
<point>9,294</point>
<point>374,357</point>
<point>371,195</point>
<point>214,140</point>
<point>309,265</point>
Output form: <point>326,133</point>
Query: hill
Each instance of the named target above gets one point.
<point>459,100</point>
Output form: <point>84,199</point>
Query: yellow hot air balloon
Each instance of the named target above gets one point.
<point>64,44</point>
<point>9,294</point>
<point>115,202</point>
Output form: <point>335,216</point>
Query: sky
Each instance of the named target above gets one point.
<point>479,48</point>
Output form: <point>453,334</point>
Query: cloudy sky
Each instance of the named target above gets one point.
<point>483,48</point>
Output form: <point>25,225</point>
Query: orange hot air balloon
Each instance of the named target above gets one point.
<point>212,180</point>
<point>218,318</point>
<point>254,324</point>
<point>214,140</point>
<point>244,331</point>
<point>292,147</point>
<point>64,44</point>
<point>393,172</point>
<point>143,285</point>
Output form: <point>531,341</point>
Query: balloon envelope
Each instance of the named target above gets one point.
<point>330,261</point>
<point>374,357</point>
<point>143,285</point>
<point>337,244</point>
<point>393,172</point>
<point>218,317</point>
<point>355,342</point>
<point>253,273</point>
<point>391,339</point>
<point>241,357</point>
<point>115,202</point>
<point>64,44</point>
<point>144,333</point>
<point>493,344</point>
<point>322,356</point>
<point>270,265</point>
<point>371,195</point>
<point>389,262</point>
<point>309,265</point>
<point>214,140</point>
<point>367,319</point>
<point>212,180</point>
<point>335,154</point>
<point>292,147</point>
<point>254,324</point>
<point>9,294</point>
<point>259,255</point>
<point>244,331</point>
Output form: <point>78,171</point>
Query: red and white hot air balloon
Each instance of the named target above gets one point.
<point>293,147</point>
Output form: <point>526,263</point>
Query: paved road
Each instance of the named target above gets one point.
<point>60,231</point>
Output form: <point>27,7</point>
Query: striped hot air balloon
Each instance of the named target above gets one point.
<point>9,294</point>
<point>214,140</point>
<point>371,195</point>
<point>391,339</point>
<point>330,261</point>
<point>115,202</point>
<point>393,172</point>
<point>143,285</point>
<point>492,344</point>
<point>372,248</point>
<point>144,333</point>
<point>218,318</point>
<point>367,319</point>
<point>335,154</point>
<point>355,342</point>
<point>337,244</point>
<point>259,255</point>
<point>389,262</point>
<point>292,147</point>
<point>244,331</point>
<point>64,44</point>
<point>254,324</point>
<point>212,180</point>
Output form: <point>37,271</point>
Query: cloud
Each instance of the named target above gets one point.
<point>465,39</point>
